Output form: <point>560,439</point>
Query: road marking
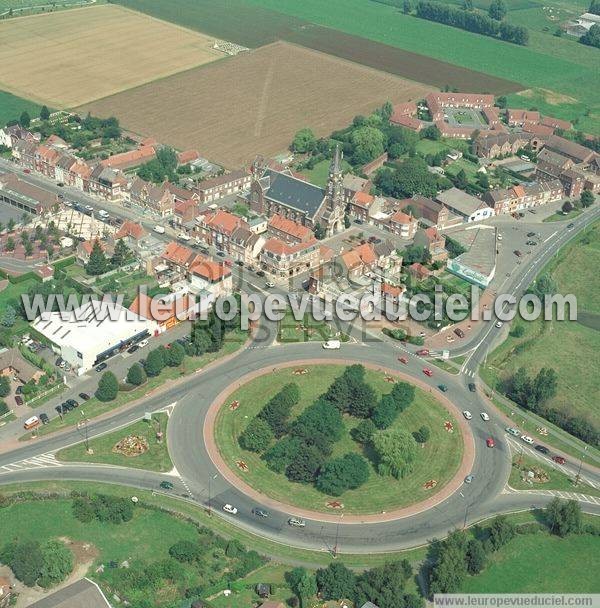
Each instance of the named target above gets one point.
<point>35,462</point>
<point>553,234</point>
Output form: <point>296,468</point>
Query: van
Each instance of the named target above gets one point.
<point>31,423</point>
<point>331,344</point>
<point>159,229</point>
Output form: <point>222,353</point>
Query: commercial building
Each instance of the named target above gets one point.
<point>470,208</point>
<point>478,264</point>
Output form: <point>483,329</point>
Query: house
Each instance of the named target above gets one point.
<point>419,271</point>
<point>352,184</point>
<point>433,241</point>
<point>12,363</point>
<point>245,245</point>
<point>84,249</point>
<point>517,118</point>
<point>185,213</point>
<point>392,293</point>
<point>556,123</point>
<point>216,228</point>
<point>131,233</point>
<point>209,276</point>
<point>46,273</point>
<point>553,165</point>
<point>281,259</point>
<point>187,156</point>
<point>215,188</point>
<point>156,199</point>
<point>284,193</point>
<point>576,152</point>
<point>429,212</point>
<point>288,230</point>
<point>405,115</point>
<point>580,26</point>
<point>82,594</point>
<point>470,208</point>
<point>524,196</point>
<point>364,206</point>
<point>133,158</point>
<point>357,261</point>
<point>263,590</point>
<point>167,311</point>
<point>26,196</point>
<point>9,136</point>
<point>81,172</point>
<point>437,102</point>
<point>402,224</point>
<point>178,258</point>
<point>107,182</point>
<point>45,161</point>
<point>538,130</point>
<point>62,169</point>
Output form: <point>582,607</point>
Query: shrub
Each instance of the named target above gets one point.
<point>136,375</point>
<point>185,551</point>
<point>257,436</point>
<point>422,435</point>
<point>396,452</point>
<point>346,473</point>
<point>108,387</point>
<point>363,432</point>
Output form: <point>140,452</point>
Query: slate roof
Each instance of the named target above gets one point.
<point>295,193</point>
<point>81,594</point>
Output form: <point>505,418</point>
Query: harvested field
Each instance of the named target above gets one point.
<point>255,102</point>
<point>67,58</point>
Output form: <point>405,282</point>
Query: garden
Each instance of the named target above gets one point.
<point>334,437</point>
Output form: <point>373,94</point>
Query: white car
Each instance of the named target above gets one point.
<point>467,415</point>
<point>499,237</point>
<point>331,344</point>
<point>269,284</point>
<point>527,439</point>
<point>512,431</point>
<point>484,416</point>
<point>230,509</point>
<point>143,343</point>
<point>498,324</point>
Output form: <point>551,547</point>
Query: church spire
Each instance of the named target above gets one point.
<point>335,167</point>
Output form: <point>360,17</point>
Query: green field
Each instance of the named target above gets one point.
<point>309,330</point>
<point>570,347</point>
<point>541,563</point>
<point>319,174</point>
<point>439,460</point>
<point>155,459</point>
<point>11,107</point>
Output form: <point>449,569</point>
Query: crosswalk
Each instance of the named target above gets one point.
<point>35,462</point>
<point>469,372</point>
<point>593,500</point>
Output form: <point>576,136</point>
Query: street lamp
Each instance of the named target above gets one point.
<point>337,536</point>
<point>578,476</point>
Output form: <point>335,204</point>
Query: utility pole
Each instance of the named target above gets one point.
<point>578,476</point>
<point>337,536</point>
<point>209,492</point>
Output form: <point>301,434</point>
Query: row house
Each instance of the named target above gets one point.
<point>280,259</point>
<point>23,152</point>
<point>517,118</point>
<point>525,196</point>
<point>352,185</point>
<point>553,165</point>
<point>62,169</point>
<point>365,206</point>
<point>210,276</point>
<point>245,245</point>
<point>405,115</point>
<point>216,228</point>
<point>178,258</point>
<point>381,259</point>
<point>576,152</point>
<point>10,135</point>
<point>45,161</point>
<point>433,241</point>
<point>107,183</point>
<point>185,213</point>
<point>157,199</point>
<point>215,188</point>
<point>401,224</point>
<point>131,233</point>
<point>436,102</point>
<point>132,158</point>
<point>429,212</point>
<point>537,130</point>
<point>287,230</point>
<point>556,123</point>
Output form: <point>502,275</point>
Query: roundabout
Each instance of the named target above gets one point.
<point>441,464</point>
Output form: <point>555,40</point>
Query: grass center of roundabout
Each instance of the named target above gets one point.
<point>338,438</point>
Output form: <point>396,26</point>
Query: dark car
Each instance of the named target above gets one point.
<point>44,418</point>
<point>84,396</point>
<point>19,389</point>
<point>101,367</point>
<point>66,407</point>
<point>166,485</point>
<point>357,221</point>
<point>260,273</point>
<point>239,262</point>
<point>221,254</point>
<point>531,234</point>
<point>132,349</point>
<point>18,400</point>
<point>542,448</point>
<point>72,402</point>
<point>531,243</point>
<point>59,409</point>
<point>472,387</point>
<point>60,184</point>
<point>260,512</point>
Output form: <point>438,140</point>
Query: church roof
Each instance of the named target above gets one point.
<point>295,193</point>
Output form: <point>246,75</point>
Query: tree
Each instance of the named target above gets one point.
<point>121,255</point>
<point>304,141</point>
<point>10,243</point>
<point>454,248</point>
<point>431,132</point>
<point>341,474</point>
<point>57,563</point>
<point>517,331</point>
<point>501,531</point>
<point>497,10</point>
<point>396,452</point>
<point>483,181</point>
<point>44,113</point>
<point>186,551</point>
<point>257,436</point>
<point>25,560</point>
<point>386,586</point>
<point>587,198</point>
<point>4,386</point>
<point>422,435</point>
<point>592,36</point>
<point>450,570</point>
<point>282,453</point>
<point>28,247</point>
<point>9,318</point>
<point>544,385</point>
<point>175,354</point>
<point>335,582</point>
<point>460,180</point>
<point>368,144</point>
<point>467,5</point>
<point>25,119</point>
<point>155,362</point>
<point>108,387</point>
<point>306,465</point>
<point>567,207</point>
<point>319,231</point>
<point>306,587</point>
<point>403,394</point>
<point>136,375</point>
<point>416,253</point>
<point>277,410</point>
<point>476,556</point>
<point>594,7</point>
<point>563,517</point>
<point>10,224</point>
<point>410,177</point>
<point>97,263</point>
<point>407,7</point>
<point>363,432</point>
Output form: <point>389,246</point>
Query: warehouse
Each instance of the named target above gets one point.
<point>92,333</point>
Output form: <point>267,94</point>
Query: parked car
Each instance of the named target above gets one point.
<point>443,388</point>
<point>31,423</point>
<point>559,460</point>
<point>269,284</point>
<point>459,332</point>
<point>530,234</point>
<point>44,418</point>
<point>517,253</point>
<point>230,509</point>
<point>467,415</point>
<point>490,442</point>
<point>531,243</point>
<point>142,343</point>
<point>84,396</point>
<point>424,352</point>
<point>19,389</point>
<point>498,324</point>
<point>101,367</point>
<point>527,439</point>
<point>260,273</point>
<point>469,478</point>
<point>484,416</point>
<point>18,400</point>
<point>260,512</point>
<point>570,226</point>
<point>159,229</point>
<point>73,402</point>
<point>512,431</point>
<point>221,254</point>
<point>332,345</point>
<point>542,449</point>
<point>472,387</point>
<point>166,485</point>
<point>403,360</point>
<point>297,522</point>
<point>132,349</point>
<point>427,372</point>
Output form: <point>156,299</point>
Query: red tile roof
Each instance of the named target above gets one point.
<point>187,156</point>
<point>279,247</point>
<point>160,310</point>
<point>132,229</point>
<point>131,158</point>
<point>212,271</point>
<point>557,123</point>
<point>361,255</point>
<point>363,199</point>
<point>223,221</point>
<point>294,229</point>
<point>542,130</point>
<point>178,254</point>
<point>399,217</point>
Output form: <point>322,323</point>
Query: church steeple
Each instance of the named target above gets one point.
<point>334,183</point>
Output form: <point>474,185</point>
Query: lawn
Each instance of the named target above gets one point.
<point>11,107</point>
<point>308,330</point>
<point>156,458</point>
<point>541,563</point>
<point>557,480</point>
<point>559,216</point>
<point>93,407</point>
<point>319,174</point>
<point>439,460</point>
<point>569,347</point>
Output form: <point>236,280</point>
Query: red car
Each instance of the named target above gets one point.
<point>403,360</point>
<point>423,352</point>
<point>26,170</point>
<point>427,372</point>
<point>559,460</point>
<point>490,442</point>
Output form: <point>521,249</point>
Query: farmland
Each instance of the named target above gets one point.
<point>93,52</point>
<point>11,107</point>
<point>279,89</point>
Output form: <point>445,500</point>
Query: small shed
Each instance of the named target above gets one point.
<point>263,590</point>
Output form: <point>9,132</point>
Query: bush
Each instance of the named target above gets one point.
<point>4,409</point>
<point>422,435</point>
<point>278,409</point>
<point>136,375</point>
<point>363,432</point>
<point>385,412</point>
<point>104,508</point>
<point>108,387</point>
<point>4,386</point>
<point>396,452</point>
<point>155,362</point>
<point>185,551</point>
<point>346,473</point>
<point>280,455</point>
<point>257,436</point>
<point>175,355</point>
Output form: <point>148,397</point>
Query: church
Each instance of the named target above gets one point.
<point>281,192</point>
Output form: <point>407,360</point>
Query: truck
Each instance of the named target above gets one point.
<point>332,344</point>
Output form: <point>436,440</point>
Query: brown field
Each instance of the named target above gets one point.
<point>254,103</point>
<point>68,58</point>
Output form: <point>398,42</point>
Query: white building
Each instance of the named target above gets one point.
<point>92,333</point>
